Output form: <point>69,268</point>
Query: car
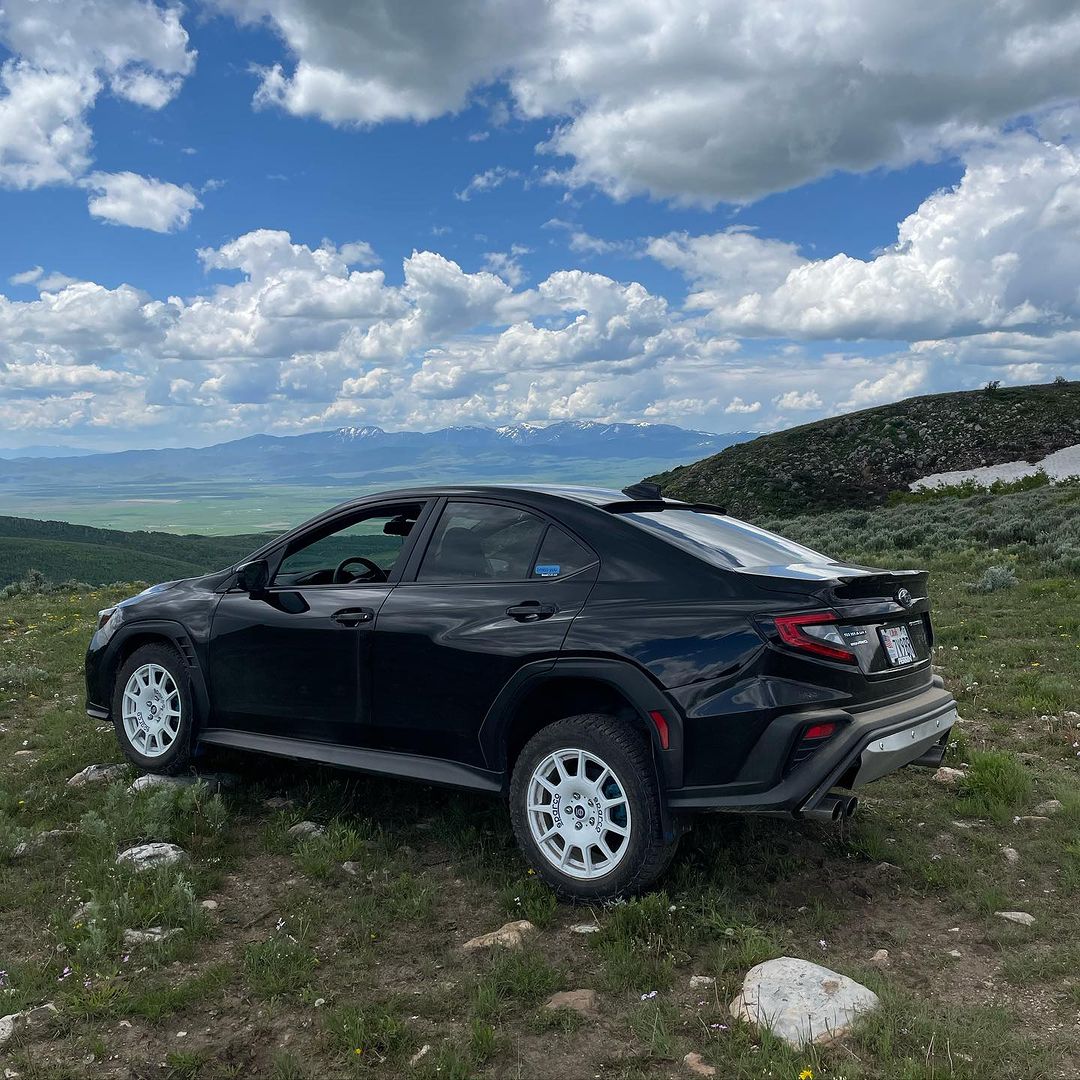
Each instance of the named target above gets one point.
<point>610,663</point>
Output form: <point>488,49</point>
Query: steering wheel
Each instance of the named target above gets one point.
<point>374,571</point>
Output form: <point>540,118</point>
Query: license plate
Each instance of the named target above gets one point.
<point>898,647</point>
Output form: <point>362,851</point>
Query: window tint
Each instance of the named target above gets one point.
<point>725,541</point>
<point>482,542</point>
<point>560,555</point>
<point>377,536</point>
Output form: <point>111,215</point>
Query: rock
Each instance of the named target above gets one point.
<point>277,802</point>
<point>1030,819</point>
<point>696,1064</point>
<point>1010,855</point>
<point>155,935</point>
<point>510,935</point>
<point>209,905</point>
<point>27,1020</point>
<point>585,928</point>
<point>1020,917</point>
<point>24,847</point>
<point>302,830</point>
<point>579,1001</point>
<point>886,868</point>
<point>880,958</point>
<point>1051,806</point>
<point>23,753</point>
<point>701,982</point>
<point>151,856</point>
<point>945,775</point>
<point>420,1054</point>
<point>83,913</point>
<point>954,953</point>
<point>801,1002</point>
<point>97,774</point>
<point>351,868</point>
<point>214,781</point>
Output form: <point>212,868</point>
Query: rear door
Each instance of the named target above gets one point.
<point>496,588</point>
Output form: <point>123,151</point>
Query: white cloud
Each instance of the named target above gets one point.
<point>737,405</point>
<point>695,101</point>
<point>27,277</point>
<point>1000,251</point>
<point>64,54</point>
<point>793,399</point>
<point>506,265</point>
<point>487,181</point>
<point>140,201</point>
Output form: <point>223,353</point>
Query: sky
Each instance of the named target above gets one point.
<point>280,216</point>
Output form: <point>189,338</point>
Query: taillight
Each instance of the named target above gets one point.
<point>814,632</point>
<point>812,739</point>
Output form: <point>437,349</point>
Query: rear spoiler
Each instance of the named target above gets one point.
<point>652,506</point>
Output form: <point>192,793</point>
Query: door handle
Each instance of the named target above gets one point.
<point>531,611</point>
<point>353,616</point>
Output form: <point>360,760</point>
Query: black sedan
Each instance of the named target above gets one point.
<point>610,662</point>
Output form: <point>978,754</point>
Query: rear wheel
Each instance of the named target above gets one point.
<point>152,709</point>
<point>585,808</point>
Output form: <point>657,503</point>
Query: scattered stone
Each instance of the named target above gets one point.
<point>585,928</point>
<point>214,781</point>
<point>97,774</point>
<point>40,840</point>
<point>579,1001</point>
<point>801,1002</point>
<point>155,935</point>
<point>23,753</point>
<point>1030,819</point>
<point>1020,917</point>
<point>209,905</point>
<point>886,868</point>
<point>954,953</point>
<point>510,935</point>
<point>701,982</point>
<point>945,775</point>
<point>696,1064</point>
<point>880,958</point>
<point>1010,855</point>
<point>27,1020</point>
<point>302,830</point>
<point>151,856</point>
<point>1051,806</point>
<point>420,1054</point>
<point>83,913</point>
<point>277,802</point>
<point>351,868</point>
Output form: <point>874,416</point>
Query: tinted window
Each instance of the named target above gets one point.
<point>560,554</point>
<point>482,542</point>
<point>725,541</point>
<point>378,536</point>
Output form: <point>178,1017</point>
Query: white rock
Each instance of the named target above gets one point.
<point>1021,917</point>
<point>510,935</point>
<point>701,982</point>
<point>420,1054</point>
<point>351,868</point>
<point>155,935</point>
<point>697,1065</point>
<point>151,856</point>
<point>880,958</point>
<point>209,905</point>
<point>40,840</point>
<point>945,775</point>
<point>1051,806</point>
<point>954,953</point>
<point>1030,819</point>
<point>214,781</point>
<point>97,774</point>
<point>585,928</point>
<point>303,829</point>
<point>28,1019</point>
<point>801,1002</point>
<point>1010,855</point>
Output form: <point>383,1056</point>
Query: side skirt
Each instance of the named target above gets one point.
<point>382,762</point>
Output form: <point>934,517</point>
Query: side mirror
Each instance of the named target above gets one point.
<point>253,577</point>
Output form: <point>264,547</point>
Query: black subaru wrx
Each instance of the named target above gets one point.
<point>610,662</point>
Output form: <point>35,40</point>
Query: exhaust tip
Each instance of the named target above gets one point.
<point>837,810</point>
<point>851,806</point>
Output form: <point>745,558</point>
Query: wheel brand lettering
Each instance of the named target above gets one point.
<point>555,804</point>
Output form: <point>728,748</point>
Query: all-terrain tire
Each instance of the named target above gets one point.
<point>626,752</point>
<point>177,757</point>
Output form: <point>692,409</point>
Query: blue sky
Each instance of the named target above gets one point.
<point>674,212</point>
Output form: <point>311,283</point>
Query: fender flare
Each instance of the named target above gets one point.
<point>179,637</point>
<point>630,681</point>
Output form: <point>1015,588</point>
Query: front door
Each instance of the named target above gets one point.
<point>294,660</point>
<point>497,588</point>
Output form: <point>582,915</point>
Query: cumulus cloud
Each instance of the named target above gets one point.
<point>487,180</point>
<point>794,399</point>
<point>142,202</point>
<point>737,405</point>
<point>694,101</point>
<point>64,54</point>
<point>999,252</point>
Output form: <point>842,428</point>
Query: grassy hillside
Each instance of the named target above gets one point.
<point>856,460</point>
<point>63,552</point>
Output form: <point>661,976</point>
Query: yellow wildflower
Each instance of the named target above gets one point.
<point>806,1074</point>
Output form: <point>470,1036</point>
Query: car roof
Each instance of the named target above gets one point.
<point>591,496</point>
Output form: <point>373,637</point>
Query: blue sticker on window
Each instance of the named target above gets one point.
<point>548,569</point>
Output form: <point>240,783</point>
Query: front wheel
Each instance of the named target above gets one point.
<point>585,808</point>
<point>152,709</point>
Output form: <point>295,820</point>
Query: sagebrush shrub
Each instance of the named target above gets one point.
<point>994,579</point>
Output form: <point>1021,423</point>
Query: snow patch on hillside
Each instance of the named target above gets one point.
<point>1058,466</point>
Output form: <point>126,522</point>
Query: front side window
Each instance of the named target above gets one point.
<point>482,542</point>
<point>364,548</point>
<point>724,541</point>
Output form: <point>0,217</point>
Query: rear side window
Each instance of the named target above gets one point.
<point>561,555</point>
<point>482,542</point>
<point>725,541</point>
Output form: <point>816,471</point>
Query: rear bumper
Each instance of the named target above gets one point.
<point>872,744</point>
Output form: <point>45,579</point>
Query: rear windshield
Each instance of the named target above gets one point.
<point>724,541</point>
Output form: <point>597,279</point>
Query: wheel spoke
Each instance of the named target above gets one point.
<point>618,830</point>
